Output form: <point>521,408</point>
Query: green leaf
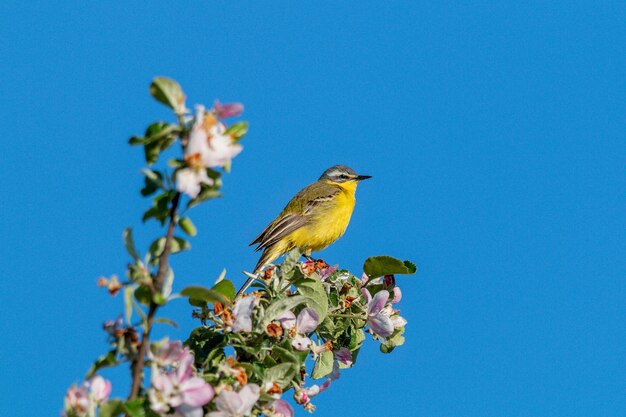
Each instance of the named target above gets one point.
<point>377,266</point>
<point>103,361</point>
<point>237,130</point>
<point>168,92</point>
<point>317,299</point>
<point>291,260</point>
<point>356,339</point>
<point>204,295</point>
<point>187,225</point>
<point>128,303</point>
<point>112,408</point>
<point>164,320</point>
<point>129,243</point>
<point>143,294</point>
<point>135,408</point>
<point>323,365</point>
<point>159,137</point>
<point>278,307</point>
<point>285,355</point>
<point>226,288</point>
<point>153,181</point>
<point>282,374</point>
<point>177,244</point>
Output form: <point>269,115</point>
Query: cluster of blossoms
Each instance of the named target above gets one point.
<point>175,387</point>
<point>209,146</point>
<point>82,401</point>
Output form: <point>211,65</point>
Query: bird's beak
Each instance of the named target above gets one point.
<point>363,177</point>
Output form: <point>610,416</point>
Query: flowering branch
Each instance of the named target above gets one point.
<point>304,320</point>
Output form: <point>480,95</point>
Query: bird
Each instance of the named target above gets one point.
<point>313,219</point>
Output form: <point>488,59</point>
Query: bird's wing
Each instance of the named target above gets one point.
<point>296,214</point>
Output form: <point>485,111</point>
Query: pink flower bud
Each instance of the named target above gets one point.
<point>226,110</point>
<point>301,397</point>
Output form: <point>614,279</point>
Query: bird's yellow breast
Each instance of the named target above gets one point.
<point>330,223</point>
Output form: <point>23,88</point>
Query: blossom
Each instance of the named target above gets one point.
<point>306,322</point>
<point>180,389</point>
<point>242,313</point>
<point>190,180</point>
<point>236,404</point>
<point>165,353</point>
<point>100,389</point>
<point>226,110</point>
<point>77,401</point>
<point>378,319</point>
<point>82,401</point>
<point>397,295</point>
<point>344,356</point>
<point>113,284</point>
<point>208,147</point>
<point>282,408</point>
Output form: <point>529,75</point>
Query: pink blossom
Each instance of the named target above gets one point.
<point>283,408</point>
<point>189,181</point>
<point>301,397</point>
<point>226,110</point>
<point>344,356</point>
<point>377,320</point>
<point>305,323</point>
<point>236,404</point>
<point>77,402</point>
<point>179,389</point>
<point>100,389</point>
<point>165,353</point>
<point>397,295</point>
<point>242,312</point>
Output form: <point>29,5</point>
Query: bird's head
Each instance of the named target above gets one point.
<point>342,173</point>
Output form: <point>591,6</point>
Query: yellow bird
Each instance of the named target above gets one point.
<point>314,218</point>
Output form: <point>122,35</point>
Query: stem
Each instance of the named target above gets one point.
<point>347,316</point>
<point>138,363</point>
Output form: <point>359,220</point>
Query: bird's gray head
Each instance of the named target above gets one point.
<point>342,173</point>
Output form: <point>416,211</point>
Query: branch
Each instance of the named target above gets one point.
<point>139,361</point>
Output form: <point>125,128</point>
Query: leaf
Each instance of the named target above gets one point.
<point>285,355</point>
<point>291,260</point>
<point>323,365</point>
<point>317,299</point>
<point>168,92</point>
<point>153,181</point>
<point>377,266</point>
<point>280,306</point>
<point>237,130</point>
<point>187,226</point>
<point>356,339</point>
<point>206,193</point>
<point>135,408</point>
<point>103,361</point>
<point>226,288</point>
<point>112,408</point>
<point>177,244</point>
<point>281,374</point>
<point>143,294</point>
<point>128,303</point>
<point>204,295</point>
<point>164,320</point>
<point>129,243</point>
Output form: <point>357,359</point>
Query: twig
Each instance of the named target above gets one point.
<point>139,361</point>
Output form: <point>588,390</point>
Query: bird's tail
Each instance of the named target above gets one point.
<point>268,256</point>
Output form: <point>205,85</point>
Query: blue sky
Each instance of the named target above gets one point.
<point>494,132</point>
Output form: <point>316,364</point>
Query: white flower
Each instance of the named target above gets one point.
<point>189,180</point>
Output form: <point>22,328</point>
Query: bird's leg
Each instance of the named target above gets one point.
<point>307,255</point>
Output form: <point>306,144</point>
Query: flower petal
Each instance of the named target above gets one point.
<point>307,321</point>
<point>301,343</point>
<point>249,396</point>
<point>287,320</point>
<point>381,325</point>
<point>397,295</point>
<point>283,408</point>
<point>196,392</point>
<point>367,295</point>
<point>378,302</point>
<point>243,314</point>
<point>344,356</point>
